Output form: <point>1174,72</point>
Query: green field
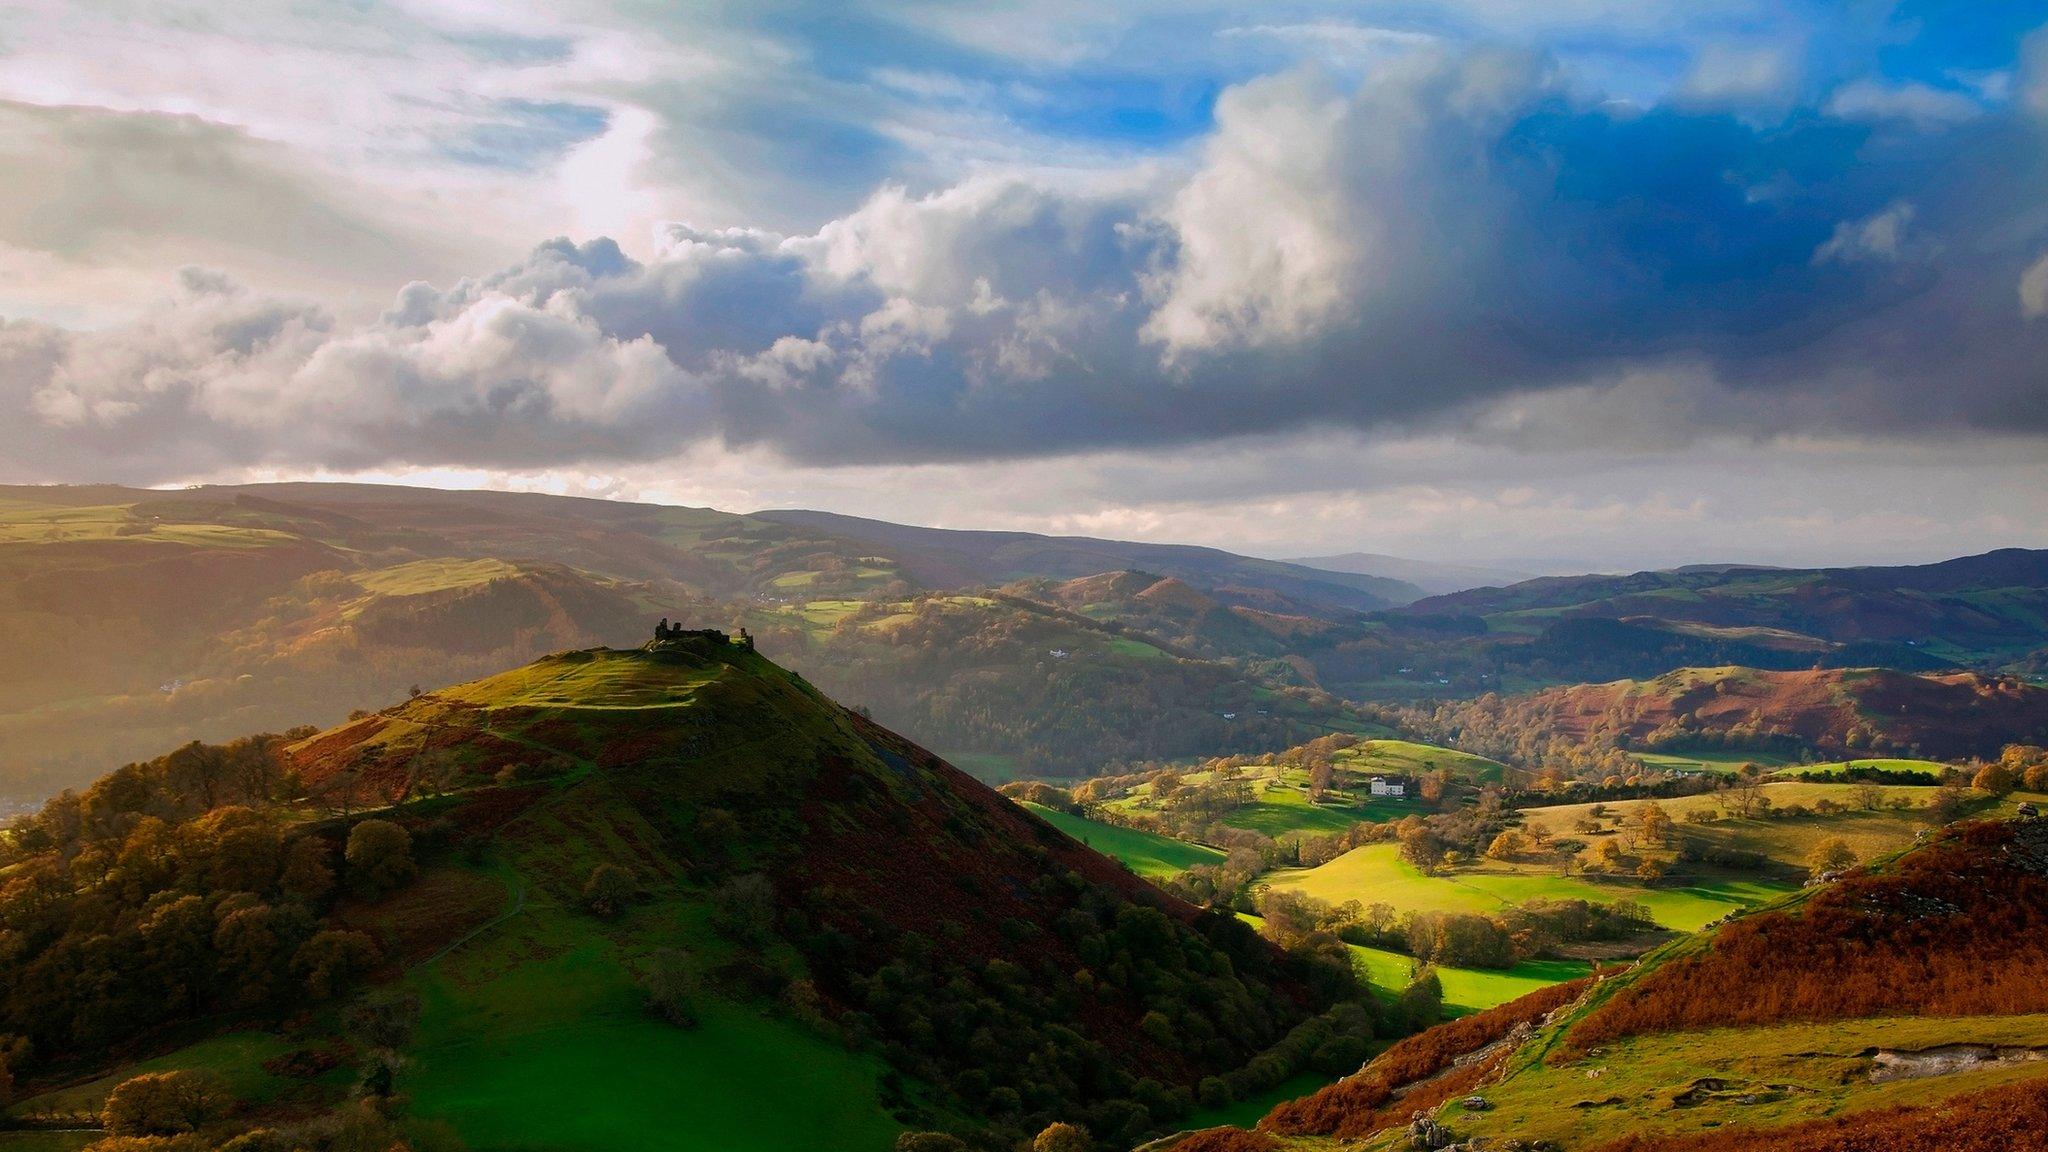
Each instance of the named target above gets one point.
<point>1837,767</point>
<point>1466,989</point>
<point>238,1057</point>
<point>1772,1076</point>
<point>1709,760</point>
<point>1149,854</point>
<point>1376,874</point>
<point>433,576</point>
<point>1406,758</point>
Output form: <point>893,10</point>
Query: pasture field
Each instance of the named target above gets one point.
<point>1786,841</point>
<point>237,1056</point>
<point>1837,767</point>
<point>1769,1076</point>
<point>1376,874</point>
<point>420,576</point>
<point>1466,990</point>
<point>1716,760</point>
<point>1407,758</point>
<point>1149,854</point>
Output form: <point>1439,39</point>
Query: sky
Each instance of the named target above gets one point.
<point>1604,283</point>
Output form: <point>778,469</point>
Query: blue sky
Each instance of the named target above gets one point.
<point>1638,282</point>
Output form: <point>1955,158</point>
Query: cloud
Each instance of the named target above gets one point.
<point>1461,243</point>
<point>2034,289</point>
<point>1875,237</point>
<point>1920,104</point>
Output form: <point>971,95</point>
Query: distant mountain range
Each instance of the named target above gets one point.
<point>1433,577</point>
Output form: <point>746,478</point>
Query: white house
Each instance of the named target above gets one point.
<point>1381,786</point>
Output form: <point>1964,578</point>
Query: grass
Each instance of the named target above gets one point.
<point>1790,1073</point>
<point>1719,761</point>
<point>1466,990</point>
<point>1149,854</point>
<point>533,1037</point>
<point>1406,758</point>
<point>1836,768</point>
<point>421,576</point>
<point>1376,874</point>
<point>238,1057</point>
<point>1788,842</point>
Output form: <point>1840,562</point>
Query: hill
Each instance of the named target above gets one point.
<point>1014,687</point>
<point>1432,576</point>
<point>144,618</point>
<point>946,558</point>
<point>1835,713</point>
<point>1982,611</point>
<point>1903,1009</point>
<point>624,870</point>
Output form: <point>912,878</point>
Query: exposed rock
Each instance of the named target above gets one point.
<point>1889,1065</point>
<point>1474,1104</point>
<point>1428,1135</point>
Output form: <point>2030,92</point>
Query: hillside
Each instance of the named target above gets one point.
<point>1012,687</point>
<point>1834,713</point>
<point>1977,610</point>
<point>1432,576</point>
<point>142,618</point>
<point>941,557</point>
<point>807,899</point>
<point>1904,1009</point>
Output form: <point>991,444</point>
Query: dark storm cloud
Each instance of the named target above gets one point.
<point>1459,241</point>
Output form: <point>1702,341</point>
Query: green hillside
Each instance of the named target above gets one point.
<point>1149,854</point>
<point>636,869</point>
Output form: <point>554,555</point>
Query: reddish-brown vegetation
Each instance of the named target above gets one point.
<point>2009,1119</point>
<point>1227,1140</point>
<point>1959,928</point>
<point>1356,1105</point>
<point>1842,711</point>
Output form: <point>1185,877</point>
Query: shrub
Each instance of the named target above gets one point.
<point>332,959</point>
<point>608,891</point>
<point>743,908</point>
<point>930,1142</point>
<point>1063,1138</point>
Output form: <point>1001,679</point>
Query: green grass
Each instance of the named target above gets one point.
<point>1375,874</point>
<point>46,1141</point>
<point>1466,989</point>
<point>1837,767</point>
<point>422,576</point>
<point>1283,811</point>
<point>1149,854</point>
<point>238,1057</point>
<point>533,1037</point>
<point>1718,760</point>
<point>1817,1070</point>
<point>1406,758</point>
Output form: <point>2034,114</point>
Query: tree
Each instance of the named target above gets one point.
<point>670,985</point>
<point>1655,824</point>
<point>929,1142</point>
<point>609,889</point>
<point>1063,1138</point>
<point>1420,846</point>
<point>1319,774</point>
<point>1996,779</point>
<point>13,1052</point>
<point>1422,1001</point>
<point>1508,845</point>
<point>1947,805</point>
<point>1746,796</point>
<point>384,1019</point>
<point>166,1103</point>
<point>379,856</point>
<point>1650,869</point>
<point>1831,855</point>
<point>333,958</point>
<point>743,908</point>
<point>1867,796</point>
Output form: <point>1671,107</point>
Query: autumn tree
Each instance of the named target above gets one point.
<point>1063,1138</point>
<point>1995,778</point>
<point>166,1103</point>
<point>1654,824</point>
<point>331,959</point>
<point>1508,845</point>
<point>1746,796</point>
<point>1867,796</point>
<point>1831,855</point>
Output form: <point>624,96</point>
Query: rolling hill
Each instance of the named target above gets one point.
<point>624,871</point>
<point>142,618</point>
<point>1902,1009</point>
